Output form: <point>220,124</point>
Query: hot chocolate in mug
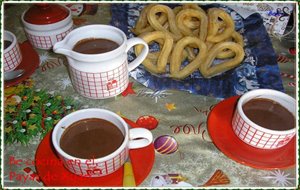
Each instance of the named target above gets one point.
<point>265,118</point>
<point>133,138</point>
<point>100,75</point>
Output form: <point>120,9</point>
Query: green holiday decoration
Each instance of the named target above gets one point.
<point>29,113</point>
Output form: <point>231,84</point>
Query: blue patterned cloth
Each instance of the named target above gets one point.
<point>258,70</point>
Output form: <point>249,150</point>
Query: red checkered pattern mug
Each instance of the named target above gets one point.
<point>105,75</point>
<point>133,139</point>
<point>12,55</point>
<point>255,135</point>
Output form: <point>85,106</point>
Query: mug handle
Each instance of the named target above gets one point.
<point>139,59</point>
<point>139,137</point>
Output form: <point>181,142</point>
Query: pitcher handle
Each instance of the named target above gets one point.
<point>139,59</point>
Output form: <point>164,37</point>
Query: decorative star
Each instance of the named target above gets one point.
<point>8,129</point>
<point>32,127</point>
<point>170,106</point>
<point>11,101</point>
<point>64,83</point>
<point>128,90</point>
<point>36,98</point>
<point>55,121</point>
<point>58,97</point>
<point>44,58</point>
<point>120,114</point>
<point>280,178</point>
<point>32,115</point>
<point>11,110</point>
<point>10,90</point>
<point>157,94</point>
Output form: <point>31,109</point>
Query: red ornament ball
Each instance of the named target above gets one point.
<point>147,121</point>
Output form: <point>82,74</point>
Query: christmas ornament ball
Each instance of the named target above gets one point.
<point>165,144</point>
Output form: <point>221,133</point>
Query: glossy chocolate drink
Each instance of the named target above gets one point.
<point>95,46</point>
<point>91,138</point>
<point>269,114</point>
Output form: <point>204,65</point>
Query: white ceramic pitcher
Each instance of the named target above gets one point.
<point>104,75</point>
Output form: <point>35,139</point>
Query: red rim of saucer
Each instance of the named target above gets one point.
<point>222,135</point>
<point>30,62</point>
<point>52,172</point>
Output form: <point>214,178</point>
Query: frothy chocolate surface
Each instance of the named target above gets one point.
<point>91,138</point>
<point>269,114</point>
<point>95,46</point>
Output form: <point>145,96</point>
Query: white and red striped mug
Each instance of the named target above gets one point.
<point>256,135</point>
<point>133,138</point>
<point>103,75</point>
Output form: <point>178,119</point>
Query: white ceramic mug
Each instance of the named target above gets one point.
<point>133,139</point>
<point>12,55</point>
<point>105,75</point>
<point>258,136</point>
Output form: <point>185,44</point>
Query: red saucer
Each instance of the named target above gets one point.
<point>52,172</point>
<point>30,63</point>
<point>222,135</point>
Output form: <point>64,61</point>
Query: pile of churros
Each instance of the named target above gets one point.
<point>187,32</point>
